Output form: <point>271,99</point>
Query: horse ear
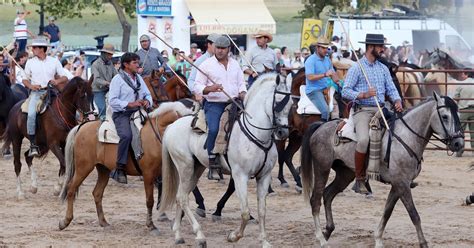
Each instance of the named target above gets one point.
<point>436,96</point>
<point>153,72</point>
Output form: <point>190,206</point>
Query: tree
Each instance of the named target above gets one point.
<point>74,8</point>
<point>313,8</point>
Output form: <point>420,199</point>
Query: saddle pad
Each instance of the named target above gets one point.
<point>39,106</point>
<point>107,132</point>
<point>305,106</point>
<point>348,131</point>
<point>200,126</point>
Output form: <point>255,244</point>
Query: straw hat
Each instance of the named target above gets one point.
<point>262,33</point>
<point>108,48</point>
<point>40,42</point>
<point>323,42</point>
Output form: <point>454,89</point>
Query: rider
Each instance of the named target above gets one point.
<point>150,58</point>
<point>261,57</point>
<point>228,76</point>
<point>127,94</point>
<point>39,72</point>
<point>357,89</point>
<point>209,53</point>
<point>318,71</point>
<point>103,70</point>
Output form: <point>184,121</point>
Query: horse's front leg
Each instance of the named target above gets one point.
<point>262,186</point>
<point>58,152</point>
<point>240,182</point>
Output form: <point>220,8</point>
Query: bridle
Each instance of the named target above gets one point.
<point>62,116</point>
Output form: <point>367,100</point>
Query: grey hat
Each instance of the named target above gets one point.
<point>144,37</point>
<point>222,41</point>
<point>194,45</point>
<point>213,37</point>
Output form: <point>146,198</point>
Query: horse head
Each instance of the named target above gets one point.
<point>298,79</point>
<point>77,94</point>
<point>281,106</point>
<point>445,122</point>
<point>177,87</point>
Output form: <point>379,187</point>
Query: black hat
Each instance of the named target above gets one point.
<point>374,39</point>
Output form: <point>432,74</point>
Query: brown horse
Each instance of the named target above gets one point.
<point>51,129</point>
<point>172,90</point>
<point>84,152</point>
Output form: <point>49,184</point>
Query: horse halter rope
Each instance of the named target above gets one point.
<point>59,114</point>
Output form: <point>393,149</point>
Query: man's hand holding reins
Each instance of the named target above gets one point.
<point>398,106</point>
<point>213,88</point>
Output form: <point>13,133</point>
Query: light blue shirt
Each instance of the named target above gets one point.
<point>379,78</point>
<point>317,65</point>
<point>120,94</point>
<point>192,76</point>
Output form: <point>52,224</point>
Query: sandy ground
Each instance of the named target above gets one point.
<point>33,222</point>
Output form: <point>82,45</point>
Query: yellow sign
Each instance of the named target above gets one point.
<point>312,29</point>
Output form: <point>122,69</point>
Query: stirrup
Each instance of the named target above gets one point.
<point>34,151</point>
<point>119,175</point>
<point>213,174</point>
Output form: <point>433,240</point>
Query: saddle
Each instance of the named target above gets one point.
<point>306,107</point>
<point>107,132</point>
<point>42,103</point>
<point>227,121</point>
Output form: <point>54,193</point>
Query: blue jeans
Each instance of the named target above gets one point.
<point>21,43</point>
<point>317,98</point>
<point>31,119</point>
<point>99,99</point>
<point>213,111</point>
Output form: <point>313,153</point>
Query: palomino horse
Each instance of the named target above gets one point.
<point>409,133</point>
<point>51,129</point>
<point>84,153</point>
<point>172,90</point>
<point>412,86</point>
<point>251,153</point>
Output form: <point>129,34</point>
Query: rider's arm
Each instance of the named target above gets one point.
<point>310,70</point>
<point>348,91</point>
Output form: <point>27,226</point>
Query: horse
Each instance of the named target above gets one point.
<point>172,90</point>
<point>51,129</point>
<point>412,86</point>
<point>410,133</point>
<point>251,153</point>
<point>84,152</point>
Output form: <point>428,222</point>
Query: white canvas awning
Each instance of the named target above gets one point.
<point>236,16</point>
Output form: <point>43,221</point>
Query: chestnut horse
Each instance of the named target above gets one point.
<point>172,90</point>
<point>51,129</point>
<point>84,152</point>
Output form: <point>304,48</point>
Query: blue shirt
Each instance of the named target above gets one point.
<point>194,71</point>
<point>316,65</point>
<point>52,30</point>
<point>379,78</point>
<point>120,94</point>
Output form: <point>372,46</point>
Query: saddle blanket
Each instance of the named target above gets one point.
<point>306,107</point>
<point>40,105</point>
<point>107,132</point>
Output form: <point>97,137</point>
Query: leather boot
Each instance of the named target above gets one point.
<point>119,174</point>
<point>361,185</point>
<point>34,149</point>
<point>214,169</point>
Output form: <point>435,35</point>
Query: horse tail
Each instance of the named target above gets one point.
<point>69,158</point>
<point>170,180</point>
<point>6,137</point>
<point>307,174</point>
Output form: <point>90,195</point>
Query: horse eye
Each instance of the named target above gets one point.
<point>445,117</point>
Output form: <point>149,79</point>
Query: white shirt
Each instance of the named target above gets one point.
<point>68,74</point>
<point>40,72</point>
<point>19,76</point>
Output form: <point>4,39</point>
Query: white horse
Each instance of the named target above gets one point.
<point>252,153</point>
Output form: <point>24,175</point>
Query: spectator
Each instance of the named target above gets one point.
<point>173,58</point>
<point>150,58</point>
<point>466,107</point>
<point>297,61</point>
<point>54,35</point>
<point>278,55</point>
<point>305,52</point>
<point>194,52</point>
<point>21,30</point>
<point>182,65</point>
<point>67,68</point>
<point>285,57</point>
<point>103,71</point>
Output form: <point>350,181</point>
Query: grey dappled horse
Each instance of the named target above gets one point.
<point>252,152</point>
<point>319,155</point>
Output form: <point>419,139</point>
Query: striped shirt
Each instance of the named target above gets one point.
<point>21,28</point>
<point>379,78</point>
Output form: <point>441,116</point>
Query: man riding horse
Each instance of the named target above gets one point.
<point>150,58</point>
<point>40,71</point>
<point>364,97</point>
<point>127,94</point>
<point>262,58</point>
<point>228,76</point>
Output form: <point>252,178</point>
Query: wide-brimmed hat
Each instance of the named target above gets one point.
<point>194,45</point>
<point>222,41</point>
<point>40,42</point>
<point>323,42</point>
<point>374,39</point>
<point>263,33</point>
<point>108,48</point>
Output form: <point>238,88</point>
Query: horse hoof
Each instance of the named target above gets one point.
<point>298,189</point>
<point>201,243</point>
<point>285,185</point>
<point>21,197</point>
<point>179,241</point>
<point>266,244</point>
<point>253,221</point>
<point>272,193</point>
<point>163,217</point>
<point>33,190</point>
<point>104,224</point>
<point>62,224</point>
<point>201,212</point>
<point>216,218</point>
<point>155,232</point>
<point>232,237</point>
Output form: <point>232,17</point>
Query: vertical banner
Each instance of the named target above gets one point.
<point>311,30</point>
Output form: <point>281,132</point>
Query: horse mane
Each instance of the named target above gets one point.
<point>261,82</point>
<point>72,84</point>
<point>170,106</point>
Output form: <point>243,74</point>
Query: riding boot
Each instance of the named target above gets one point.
<point>34,149</point>
<point>470,199</point>
<point>214,169</point>
<point>119,174</point>
<point>361,185</point>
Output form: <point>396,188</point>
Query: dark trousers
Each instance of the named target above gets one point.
<point>213,111</point>
<point>21,43</point>
<point>124,131</point>
<point>250,80</point>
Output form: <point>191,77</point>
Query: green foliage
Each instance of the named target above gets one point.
<point>74,8</point>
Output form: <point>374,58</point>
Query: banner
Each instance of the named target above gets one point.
<point>154,7</point>
<point>311,30</point>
